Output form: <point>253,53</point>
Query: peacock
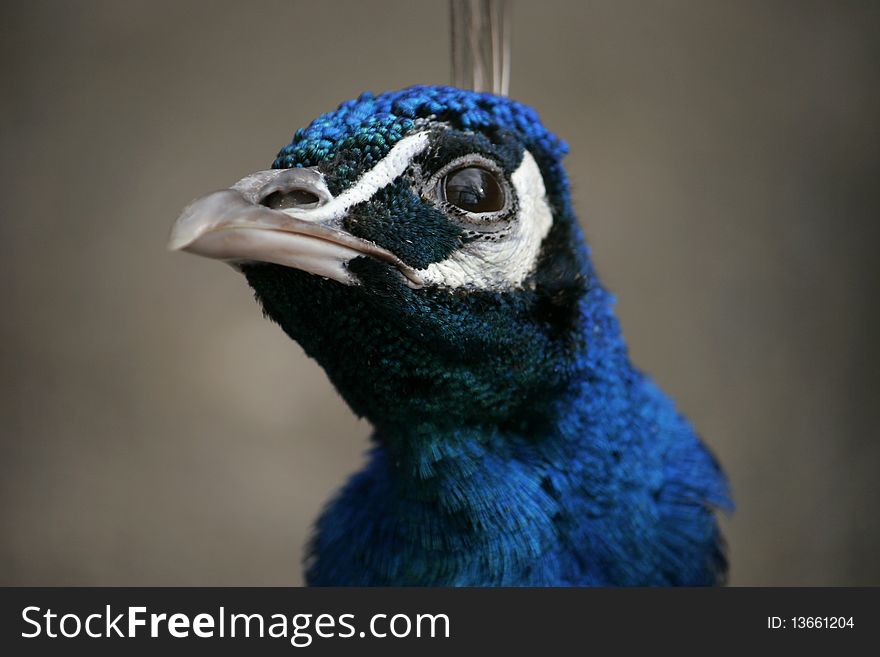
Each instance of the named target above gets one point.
<point>422,246</point>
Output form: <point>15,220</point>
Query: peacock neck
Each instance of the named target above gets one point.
<point>492,503</point>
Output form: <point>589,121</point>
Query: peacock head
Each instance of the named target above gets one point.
<point>421,246</point>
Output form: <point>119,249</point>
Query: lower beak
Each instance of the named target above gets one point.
<point>236,225</point>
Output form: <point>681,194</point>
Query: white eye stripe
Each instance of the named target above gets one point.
<point>389,169</point>
<point>497,264</point>
<point>504,263</point>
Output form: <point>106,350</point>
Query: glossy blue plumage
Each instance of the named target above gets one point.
<point>515,444</point>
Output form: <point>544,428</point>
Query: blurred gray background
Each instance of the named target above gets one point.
<point>725,158</point>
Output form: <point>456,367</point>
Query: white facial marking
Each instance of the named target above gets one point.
<point>498,264</point>
<point>505,263</point>
<point>389,168</point>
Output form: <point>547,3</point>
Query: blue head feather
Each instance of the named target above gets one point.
<point>515,442</point>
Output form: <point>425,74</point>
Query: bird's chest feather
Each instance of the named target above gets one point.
<point>499,511</point>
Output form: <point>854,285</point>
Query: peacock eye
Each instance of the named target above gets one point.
<point>473,189</point>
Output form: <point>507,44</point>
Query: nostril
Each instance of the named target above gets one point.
<point>291,198</point>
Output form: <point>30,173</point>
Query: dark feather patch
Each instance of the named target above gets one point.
<point>411,228</point>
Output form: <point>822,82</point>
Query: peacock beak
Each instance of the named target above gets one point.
<point>282,216</point>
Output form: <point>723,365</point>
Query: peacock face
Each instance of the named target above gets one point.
<point>410,242</point>
<point>445,207</point>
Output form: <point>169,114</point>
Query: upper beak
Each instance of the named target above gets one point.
<point>237,225</point>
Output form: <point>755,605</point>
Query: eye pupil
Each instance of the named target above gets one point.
<point>473,189</point>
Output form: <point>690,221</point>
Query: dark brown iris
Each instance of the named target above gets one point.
<point>473,189</point>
